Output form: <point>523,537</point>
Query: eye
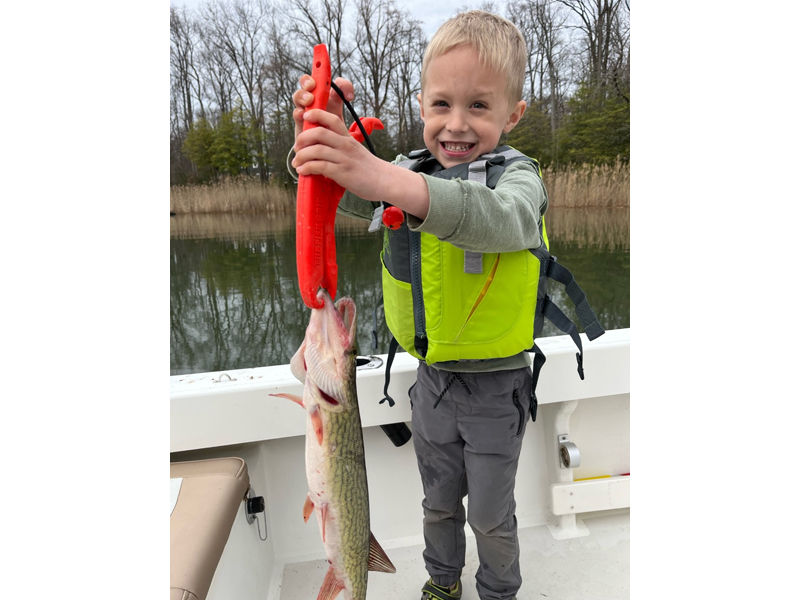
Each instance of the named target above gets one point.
<point>479,105</point>
<point>439,103</point>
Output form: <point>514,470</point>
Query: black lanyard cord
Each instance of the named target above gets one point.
<point>355,117</point>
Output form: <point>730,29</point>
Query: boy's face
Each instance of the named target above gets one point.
<point>464,107</point>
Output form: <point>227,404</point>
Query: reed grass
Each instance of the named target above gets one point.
<point>589,186</point>
<point>240,195</point>
<point>586,186</point>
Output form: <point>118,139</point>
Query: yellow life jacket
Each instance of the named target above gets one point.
<point>442,303</point>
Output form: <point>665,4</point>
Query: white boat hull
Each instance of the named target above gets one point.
<point>566,553</point>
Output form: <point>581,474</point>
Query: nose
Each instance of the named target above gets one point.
<point>458,121</point>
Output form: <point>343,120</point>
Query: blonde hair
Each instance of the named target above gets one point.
<point>498,42</point>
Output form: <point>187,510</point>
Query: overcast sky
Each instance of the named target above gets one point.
<point>432,13</point>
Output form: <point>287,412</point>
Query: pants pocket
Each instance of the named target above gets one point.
<point>521,410</point>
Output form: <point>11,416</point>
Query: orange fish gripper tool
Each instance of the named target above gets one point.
<point>317,200</point>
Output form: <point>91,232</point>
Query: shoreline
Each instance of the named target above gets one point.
<point>605,186</point>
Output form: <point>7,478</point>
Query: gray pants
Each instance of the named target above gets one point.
<point>470,444</point>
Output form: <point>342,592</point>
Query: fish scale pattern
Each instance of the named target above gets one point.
<point>349,489</point>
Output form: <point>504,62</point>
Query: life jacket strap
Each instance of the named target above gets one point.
<point>473,261</point>
<point>393,345</point>
<point>538,361</point>
<point>560,320</point>
<point>591,326</point>
<point>375,324</point>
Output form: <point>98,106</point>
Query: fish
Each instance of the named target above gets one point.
<point>334,453</point>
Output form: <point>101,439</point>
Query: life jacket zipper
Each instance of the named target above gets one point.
<point>415,258</point>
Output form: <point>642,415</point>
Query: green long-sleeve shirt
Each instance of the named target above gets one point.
<point>473,217</point>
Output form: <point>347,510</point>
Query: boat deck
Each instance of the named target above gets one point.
<point>594,567</point>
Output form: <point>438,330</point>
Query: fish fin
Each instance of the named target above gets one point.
<point>330,587</point>
<point>378,561</point>
<point>308,508</point>
<point>298,363</point>
<point>316,421</point>
<point>323,518</point>
<point>292,397</point>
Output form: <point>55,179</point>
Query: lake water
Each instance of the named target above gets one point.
<point>235,304</point>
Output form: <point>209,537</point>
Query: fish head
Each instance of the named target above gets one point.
<point>330,354</point>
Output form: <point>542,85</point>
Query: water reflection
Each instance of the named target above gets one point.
<point>234,300</point>
<point>595,245</point>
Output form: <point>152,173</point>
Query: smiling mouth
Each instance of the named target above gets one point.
<point>457,147</point>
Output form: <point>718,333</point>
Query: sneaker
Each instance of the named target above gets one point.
<point>431,591</point>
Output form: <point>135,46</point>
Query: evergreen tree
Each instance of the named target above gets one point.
<point>596,129</point>
<point>229,150</point>
<point>532,136</point>
<point>197,147</point>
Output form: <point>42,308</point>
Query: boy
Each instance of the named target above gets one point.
<point>473,392</point>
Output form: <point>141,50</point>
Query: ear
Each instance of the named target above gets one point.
<point>515,116</point>
<point>421,107</point>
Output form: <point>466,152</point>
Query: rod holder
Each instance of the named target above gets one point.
<point>253,505</point>
<point>569,453</point>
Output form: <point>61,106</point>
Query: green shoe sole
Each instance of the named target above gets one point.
<point>431,591</point>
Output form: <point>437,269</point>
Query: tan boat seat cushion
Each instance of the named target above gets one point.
<point>211,493</point>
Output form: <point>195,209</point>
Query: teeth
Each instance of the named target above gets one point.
<point>450,147</point>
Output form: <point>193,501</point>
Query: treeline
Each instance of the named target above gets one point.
<point>234,65</point>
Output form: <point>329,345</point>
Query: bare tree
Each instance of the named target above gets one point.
<point>321,22</point>
<point>596,21</point>
<point>182,63</point>
<point>186,89</point>
<point>550,23</point>
<point>405,85</point>
<point>379,30</point>
<point>217,71</point>
<point>281,75</point>
<point>239,30</point>
<point>542,23</point>
<point>248,54</point>
<point>522,14</point>
<point>620,69</point>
